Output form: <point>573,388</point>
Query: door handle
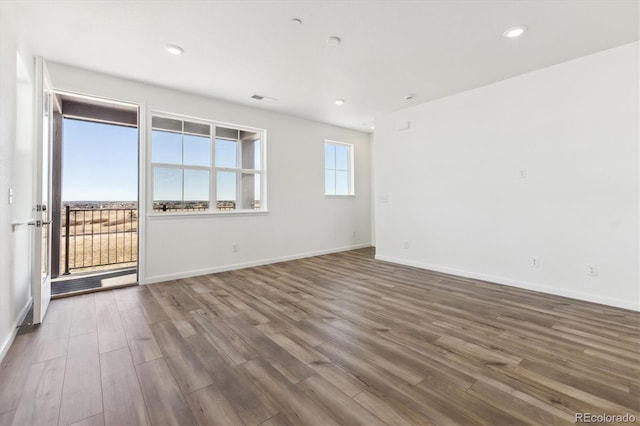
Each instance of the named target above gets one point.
<point>38,223</point>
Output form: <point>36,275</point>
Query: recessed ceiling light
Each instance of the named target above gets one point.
<point>333,41</point>
<point>514,32</point>
<point>174,50</point>
<point>296,21</point>
<point>339,101</point>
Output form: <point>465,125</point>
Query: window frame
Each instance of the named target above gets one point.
<point>153,165</point>
<point>350,172</point>
<point>212,169</point>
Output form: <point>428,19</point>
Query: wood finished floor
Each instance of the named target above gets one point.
<point>337,339</point>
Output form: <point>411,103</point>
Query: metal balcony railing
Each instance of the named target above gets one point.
<point>99,237</point>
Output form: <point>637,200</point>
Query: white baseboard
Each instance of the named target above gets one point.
<point>214,270</point>
<point>6,344</point>
<point>542,288</point>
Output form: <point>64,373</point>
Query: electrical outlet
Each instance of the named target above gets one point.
<point>592,270</point>
<point>535,263</point>
<point>523,173</point>
<point>406,245</point>
<point>235,248</point>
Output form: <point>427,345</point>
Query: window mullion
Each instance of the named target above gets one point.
<point>238,174</point>
<point>213,178</point>
<point>179,166</point>
<point>184,205</point>
<point>335,171</point>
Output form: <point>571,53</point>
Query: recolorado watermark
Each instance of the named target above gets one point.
<point>604,418</point>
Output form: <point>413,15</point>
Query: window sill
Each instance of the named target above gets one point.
<point>177,215</point>
<point>340,196</point>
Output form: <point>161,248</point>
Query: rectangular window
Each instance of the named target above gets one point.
<point>238,169</point>
<point>338,168</point>
<point>200,166</point>
<point>181,164</point>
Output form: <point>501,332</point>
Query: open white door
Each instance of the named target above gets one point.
<point>41,272</point>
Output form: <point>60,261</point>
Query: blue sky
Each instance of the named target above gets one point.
<point>99,162</point>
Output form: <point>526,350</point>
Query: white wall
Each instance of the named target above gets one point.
<point>455,195</point>
<point>16,145</point>
<point>301,220</point>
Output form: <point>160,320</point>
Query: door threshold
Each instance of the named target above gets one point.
<point>88,283</point>
<point>91,290</point>
<point>98,273</point>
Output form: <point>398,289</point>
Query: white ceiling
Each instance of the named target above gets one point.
<point>390,48</point>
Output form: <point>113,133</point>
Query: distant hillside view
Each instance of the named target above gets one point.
<point>101,204</point>
<point>160,206</point>
<point>178,206</point>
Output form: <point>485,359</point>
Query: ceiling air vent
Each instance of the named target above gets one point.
<point>260,98</point>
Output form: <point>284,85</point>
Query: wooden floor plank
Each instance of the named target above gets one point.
<point>14,371</point>
<point>334,401</point>
<point>339,377</point>
<point>111,334</point>
<point>278,420</point>
<point>288,365</point>
<point>53,334</point>
<point>389,412</point>
<point>127,298</point>
<point>162,396</point>
<point>82,391</point>
<point>84,315</point>
<point>40,401</point>
<point>235,350</point>
<point>189,372</point>
<point>151,309</point>
<point>122,396</point>
<point>204,348</point>
<point>292,403</point>
<point>97,420</point>
<point>142,344</point>
<point>6,418</point>
<point>210,407</point>
<point>518,405</point>
<point>249,402</point>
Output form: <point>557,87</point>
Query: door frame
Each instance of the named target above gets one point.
<point>140,264</point>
